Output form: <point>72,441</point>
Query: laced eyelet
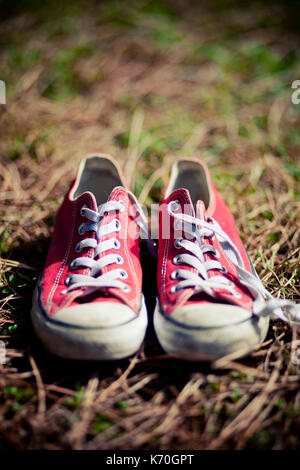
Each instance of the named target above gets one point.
<point>117,244</point>
<point>118,225</point>
<point>126,288</point>
<point>67,281</point>
<point>77,248</point>
<point>175,205</point>
<point>174,289</point>
<point>122,203</point>
<point>174,274</point>
<point>64,292</point>
<point>81,230</point>
<point>73,264</point>
<point>216,254</point>
<point>223,270</point>
<point>176,259</point>
<point>209,219</point>
<point>177,243</point>
<point>120,260</point>
<point>82,211</point>
<point>123,274</point>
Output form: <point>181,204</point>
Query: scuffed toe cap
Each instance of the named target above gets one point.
<point>95,315</point>
<point>210,315</point>
<point>209,329</point>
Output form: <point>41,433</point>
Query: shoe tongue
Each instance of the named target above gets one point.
<point>89,199</point>
<point>201,210</point>
<point>116,193</point>
<point>184,196</point>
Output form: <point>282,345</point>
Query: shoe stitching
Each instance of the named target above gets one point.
<point>64,262</point>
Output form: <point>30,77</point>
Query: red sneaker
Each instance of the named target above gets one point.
<point>211,301</point>
<point>88,303</point>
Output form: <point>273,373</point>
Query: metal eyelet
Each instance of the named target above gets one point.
<point>120,260</point>
<point>77,248</point>
<point>82,211</point>
<point>117,244</point>
<point>81,230</point>
<point>174,289</point>
<point>123,274</point>
<point>175,205</point>
<point>177,243</point>
<point>126,288</point>
<point>174,275</point>
<point>64,292</point>
<point>122,205</point>
<point>73,264</point>
<point>176,260</point>
<point>223,270</point>
<point>118,225</point>
<point>68,281</point>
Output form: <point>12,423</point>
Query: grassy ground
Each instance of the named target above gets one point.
<point>148,81</point>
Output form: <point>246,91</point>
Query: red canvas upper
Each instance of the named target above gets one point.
<point>62,252</point>
<point>219,211</point>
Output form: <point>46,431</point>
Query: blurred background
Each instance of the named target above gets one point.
<point>147,81</point>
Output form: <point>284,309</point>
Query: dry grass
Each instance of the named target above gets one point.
<point>149,82</point>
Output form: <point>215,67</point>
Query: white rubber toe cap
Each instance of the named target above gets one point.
<point>93,331</point>
<point>210,315</point>
<point>209,329</point>
<point>95,315</point>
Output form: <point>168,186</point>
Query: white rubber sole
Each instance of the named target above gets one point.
<point>188,341</point>
<point>93,344</point>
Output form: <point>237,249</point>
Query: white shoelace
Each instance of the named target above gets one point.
<point>115,277</point>
<point>264,303</point>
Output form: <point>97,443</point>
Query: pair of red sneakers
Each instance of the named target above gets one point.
<point>89,304</point>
